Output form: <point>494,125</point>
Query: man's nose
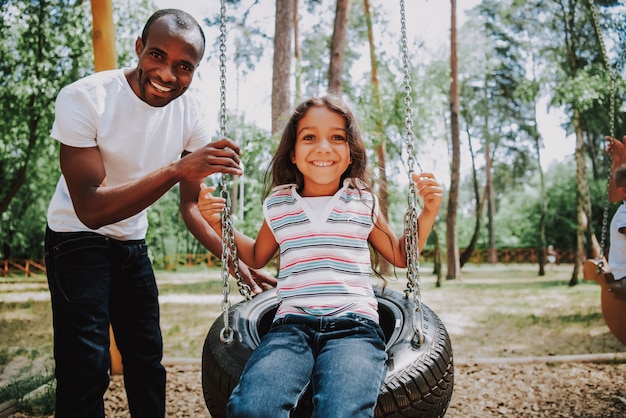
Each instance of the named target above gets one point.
<point>167,73</point>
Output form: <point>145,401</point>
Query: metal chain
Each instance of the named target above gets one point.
<point>413,289</point>
<point>612,76</point>
<point>229,248</point>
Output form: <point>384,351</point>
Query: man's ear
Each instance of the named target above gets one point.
<point>138,46</point>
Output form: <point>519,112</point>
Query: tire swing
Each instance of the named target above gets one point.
<point>613,309</point>
<point>420,373</point>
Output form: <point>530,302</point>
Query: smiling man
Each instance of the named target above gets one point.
<point>122,134</point>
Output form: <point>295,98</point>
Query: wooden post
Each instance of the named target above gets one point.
<point>105,58</point>
<point>103,35</point>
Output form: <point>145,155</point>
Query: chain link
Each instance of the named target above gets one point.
<point>612,76</point>
<point>413,289</point>
<point>229,248</point>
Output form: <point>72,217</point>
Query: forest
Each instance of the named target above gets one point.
<point>474,100</point>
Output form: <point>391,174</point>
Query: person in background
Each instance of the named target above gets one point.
<point>321,217</point>
<point>616,276</point>
<point>551,252</point>
<point>126,137</point>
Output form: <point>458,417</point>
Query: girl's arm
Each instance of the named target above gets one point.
<point>255,253</point>
<point>392,248</point>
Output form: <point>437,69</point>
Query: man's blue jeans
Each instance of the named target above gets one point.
<point>341,358</point>
<point>96,280</point>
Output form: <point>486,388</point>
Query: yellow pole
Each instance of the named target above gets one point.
<point>105,58</point>
<point>103,36</point>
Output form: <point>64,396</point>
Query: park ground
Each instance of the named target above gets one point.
<point>524,345</point>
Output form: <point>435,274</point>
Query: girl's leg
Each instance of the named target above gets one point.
<point>276,374</point>
<point>349,371</point>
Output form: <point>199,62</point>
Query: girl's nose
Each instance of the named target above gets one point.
<point>323,144</point>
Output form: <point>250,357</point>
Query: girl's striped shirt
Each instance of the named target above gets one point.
<point>325,265</point>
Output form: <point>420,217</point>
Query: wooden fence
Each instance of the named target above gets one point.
<point>23,266</point>
<point>16,267</point>
<point>510,255</point>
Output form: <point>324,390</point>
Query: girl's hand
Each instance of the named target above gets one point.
<point>429,189</point>
<point>210,206</point>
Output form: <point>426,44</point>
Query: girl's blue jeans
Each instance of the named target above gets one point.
<point>342,359</point>
<point>96,280</point>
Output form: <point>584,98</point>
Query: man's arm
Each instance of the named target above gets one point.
<point>97,204</point>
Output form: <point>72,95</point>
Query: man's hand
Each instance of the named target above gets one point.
<point>258,280</point>
<point>217,157</point>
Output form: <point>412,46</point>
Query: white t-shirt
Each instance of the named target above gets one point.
<point>617,249</point>
<point>133,137</point>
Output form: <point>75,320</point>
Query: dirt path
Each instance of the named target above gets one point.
<point>558,389</point>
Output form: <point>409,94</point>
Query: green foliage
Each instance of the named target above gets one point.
<point>40,404</point>
<point>507,61</point>
<point>19,388</point>
<point>36,60</point>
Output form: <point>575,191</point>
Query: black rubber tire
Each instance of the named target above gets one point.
<point>419,381</point>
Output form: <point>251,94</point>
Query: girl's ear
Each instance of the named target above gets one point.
<point>293,156</point>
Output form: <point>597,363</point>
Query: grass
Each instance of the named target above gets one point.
<point>509,311</point>
<point>492,311</point>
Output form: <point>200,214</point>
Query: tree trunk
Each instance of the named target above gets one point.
<point>479,203</point>
<point>436,255</point>
<point>542,224</point>
<point>297,53</point>
<point>581,191</point>
<point>544,208</point>
<point>491,203</point>
<point>380,143</point>
<point>338,48</point>
<point>282,64</point>
<point>453,261</point>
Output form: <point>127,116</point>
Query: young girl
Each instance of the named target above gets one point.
<point>321,216</point>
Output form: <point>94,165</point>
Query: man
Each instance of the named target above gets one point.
<point>121,133</point>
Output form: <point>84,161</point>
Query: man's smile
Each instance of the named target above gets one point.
<point>160,88</point>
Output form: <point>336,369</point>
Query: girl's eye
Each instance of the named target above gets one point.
<point>338,138</point>
<point>308,138</point>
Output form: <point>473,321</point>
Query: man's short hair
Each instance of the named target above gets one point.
<point>184,21</point>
